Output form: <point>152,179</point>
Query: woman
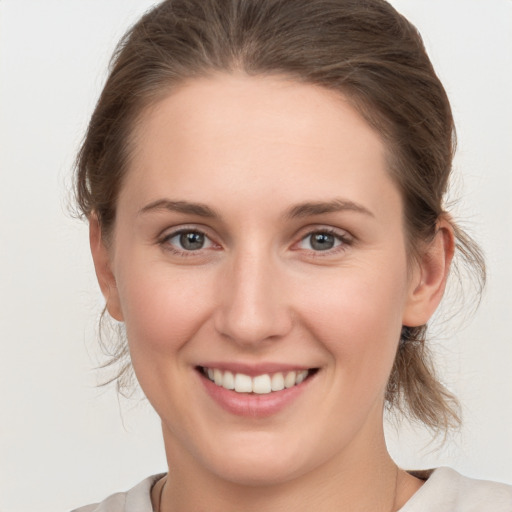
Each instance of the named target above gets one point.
<point>264,184</point>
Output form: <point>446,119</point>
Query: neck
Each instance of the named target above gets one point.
<point>364,478</point>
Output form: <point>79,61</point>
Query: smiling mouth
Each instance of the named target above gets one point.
<point>260,384</point>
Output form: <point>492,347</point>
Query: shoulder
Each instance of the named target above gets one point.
<point>137,499</point>
<point>449,491</point>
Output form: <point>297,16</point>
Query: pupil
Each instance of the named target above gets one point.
<point>322,241</point>
<point>192,241</point>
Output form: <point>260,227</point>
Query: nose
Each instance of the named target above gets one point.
<point>252,304</point>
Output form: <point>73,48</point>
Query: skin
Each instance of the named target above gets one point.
<point>252,150</point>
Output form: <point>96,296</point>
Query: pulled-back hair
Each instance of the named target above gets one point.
<point>363,49</point>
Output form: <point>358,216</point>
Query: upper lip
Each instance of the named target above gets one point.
<point>253,370</point>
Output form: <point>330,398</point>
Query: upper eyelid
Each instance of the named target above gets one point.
<point>302,233</point>
<point>164,242</point>
<point>214,241</point>
<point>342,239</point>
<point>169,232</point>
<point>308,230</point>
<point>345,238</point>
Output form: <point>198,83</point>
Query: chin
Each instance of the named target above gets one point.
<point>261,464</point>
<point>260,473</point>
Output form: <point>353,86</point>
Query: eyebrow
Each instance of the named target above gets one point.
<point>198,209</point>
<point>318,208</point>
<point>301,210</point>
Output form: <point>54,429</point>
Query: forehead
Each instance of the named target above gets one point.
<point>224,105</point>
<point>242,135</point>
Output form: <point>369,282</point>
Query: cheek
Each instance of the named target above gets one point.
<point>358,317</point>
<point>162,309</point>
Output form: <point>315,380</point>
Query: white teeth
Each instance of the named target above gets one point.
<point>277,383</point>
<point>301,376</point>
<point>217,377</point>
<point>289,380</point>
<point>261,384</point>
<point>243,383</point>
<point>229,381</point>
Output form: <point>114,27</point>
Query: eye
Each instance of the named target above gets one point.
<point>324,240</point>
<point>188,240</point>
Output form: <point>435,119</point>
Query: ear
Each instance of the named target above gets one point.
<point>102,264</point>
<point>429,277</point>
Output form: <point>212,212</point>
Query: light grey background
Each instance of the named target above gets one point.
<point>63,442</point>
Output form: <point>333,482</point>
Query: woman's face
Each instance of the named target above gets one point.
<point>259,238</point>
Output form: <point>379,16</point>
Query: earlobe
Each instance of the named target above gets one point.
<point>102,265</point>
<point>429,282</point>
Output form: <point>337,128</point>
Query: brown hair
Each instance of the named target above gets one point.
<point>363,49</point>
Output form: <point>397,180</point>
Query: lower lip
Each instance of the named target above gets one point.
<point>253,404</point>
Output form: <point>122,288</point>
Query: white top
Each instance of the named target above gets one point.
<point>445,491</point>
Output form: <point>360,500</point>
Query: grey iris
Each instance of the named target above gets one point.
<point>322,241</point>
<point>192,241</point>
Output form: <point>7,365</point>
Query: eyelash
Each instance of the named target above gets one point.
<point>164,242</point>
<point>344,241</point>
